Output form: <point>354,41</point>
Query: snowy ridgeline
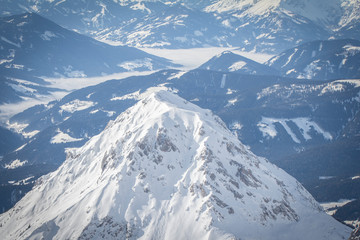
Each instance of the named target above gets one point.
<point>163,162</point>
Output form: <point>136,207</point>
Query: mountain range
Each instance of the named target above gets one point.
<point>82,141</point>
<point>36,55</point>
<point>276,25</point>
<point>30,42</point>
<point>260,111</point>
<point>162,162</point>
<point>228,61</point>
<point>324,60</point>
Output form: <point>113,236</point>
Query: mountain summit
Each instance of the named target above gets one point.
<point>167,169</point>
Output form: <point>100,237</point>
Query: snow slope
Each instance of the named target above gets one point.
<point>327,13</point>
<point>29,42</point>
<point>250,25</point>
<point>330,59</point>
<point>163,162</point>
<point>228,61</point>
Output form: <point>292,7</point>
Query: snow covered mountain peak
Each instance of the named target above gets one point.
<point>167,169</point>
<point>323,12</point>
<point>254,6</point>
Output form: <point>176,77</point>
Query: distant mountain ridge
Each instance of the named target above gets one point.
<point>29,42</point>
<point>230,62</point>
<point>322,60</point>
<point>332,14</point>
<point>275,25</point>
<point>33,48</point>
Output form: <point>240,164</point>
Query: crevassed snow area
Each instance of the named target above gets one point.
<point>15,164</point>
<point>76,105</point>
<point>62,137</point>
<point>268,128</point>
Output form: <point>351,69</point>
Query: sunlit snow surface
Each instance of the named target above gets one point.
<point>76,105</point>
<point>268,128</point>
<point>331,207</point>
<point>62,137</point>
<point>167,169</point>
<point>15,164</point>
<point>320,89</point>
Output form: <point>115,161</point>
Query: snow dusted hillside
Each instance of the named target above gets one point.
<point>331,14</point>
<point>32,47</point>
<point>166,169</point>
<point>38,46</point>
<point>228,61</point>
<point>131,23</point>
<point>266,26</point>
<point>331,59</point>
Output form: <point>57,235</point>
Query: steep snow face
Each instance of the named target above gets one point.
<point>166,168</point>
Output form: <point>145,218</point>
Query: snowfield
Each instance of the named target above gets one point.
<point>268,128</point>
<point>62,137</point>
